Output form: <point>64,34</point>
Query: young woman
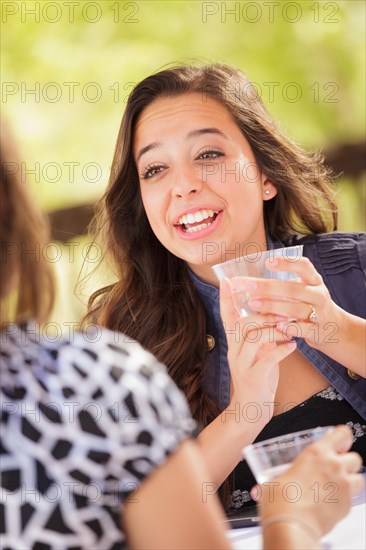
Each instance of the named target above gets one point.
<point>201,174</point>
<point>94,448</point>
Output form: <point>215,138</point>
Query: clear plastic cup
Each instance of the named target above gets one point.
<point>270,458</point>
<point>253,265</point>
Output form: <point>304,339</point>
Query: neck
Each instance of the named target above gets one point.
<point>205,273</point>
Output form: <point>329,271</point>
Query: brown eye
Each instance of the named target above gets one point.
<point>209,155</point>
<point>152,170</point>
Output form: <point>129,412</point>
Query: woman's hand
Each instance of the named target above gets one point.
<point>255,349</point>
<point>325,478</point>
<point>306,310</point>
<point>254,353</point>
<point>296,301</point>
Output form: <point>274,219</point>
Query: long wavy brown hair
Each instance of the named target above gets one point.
<point>27,281</point>
<point>154,299</point>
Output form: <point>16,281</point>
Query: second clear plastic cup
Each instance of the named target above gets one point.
<point>270,458</point>
<point>253,265</point>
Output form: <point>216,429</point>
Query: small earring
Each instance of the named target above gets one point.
<point>267,192</point>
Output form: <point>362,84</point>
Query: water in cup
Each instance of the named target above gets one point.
<point>254,265</point>
<point>270,473</point>
<point>272,457</point>
<point>241,299</point>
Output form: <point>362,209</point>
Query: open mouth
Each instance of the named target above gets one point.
<point>191,223</point>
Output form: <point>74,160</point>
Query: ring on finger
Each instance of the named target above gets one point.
<point>313,316</point>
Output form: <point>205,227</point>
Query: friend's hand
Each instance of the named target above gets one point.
<point>324,477</point>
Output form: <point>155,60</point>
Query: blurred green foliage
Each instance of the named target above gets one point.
<point>82,58</point>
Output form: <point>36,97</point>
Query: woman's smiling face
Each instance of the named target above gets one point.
<point>200,184</point>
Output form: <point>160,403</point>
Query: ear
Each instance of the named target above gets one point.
<point>269,190</point>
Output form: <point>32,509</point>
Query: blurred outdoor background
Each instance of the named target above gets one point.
<point>68,67</point>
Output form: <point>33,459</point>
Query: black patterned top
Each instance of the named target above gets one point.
<point>326,408</point>
<point>83,424</point>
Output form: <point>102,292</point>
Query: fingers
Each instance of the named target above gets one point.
<point>352,462</point>
<point>255,492</point>
<point>330,454</point>
<point>295,310</point>
<point>307,330</point>
<point>269,287</point>
<point>339,440</point>
<point>289,299</point>
<point>249,340</point>
<point>357,483</point>
<point>275,355</point>
<point>302,266</point>
<point>228,312</point>
<point>230,316</point>
<point>256,329</point>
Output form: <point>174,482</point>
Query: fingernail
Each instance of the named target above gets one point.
<point>291,345</point>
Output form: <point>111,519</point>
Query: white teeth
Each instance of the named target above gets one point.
<point>197,227</point>
<point>198,216</point>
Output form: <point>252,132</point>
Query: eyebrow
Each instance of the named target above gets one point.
<point>192,133</point>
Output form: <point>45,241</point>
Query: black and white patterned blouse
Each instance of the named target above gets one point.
<point>83,423</point>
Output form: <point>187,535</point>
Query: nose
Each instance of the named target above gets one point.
<point>186,182</point>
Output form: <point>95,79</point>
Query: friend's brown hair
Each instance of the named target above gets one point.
<point>24,273</point>
<point>154,299</point>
